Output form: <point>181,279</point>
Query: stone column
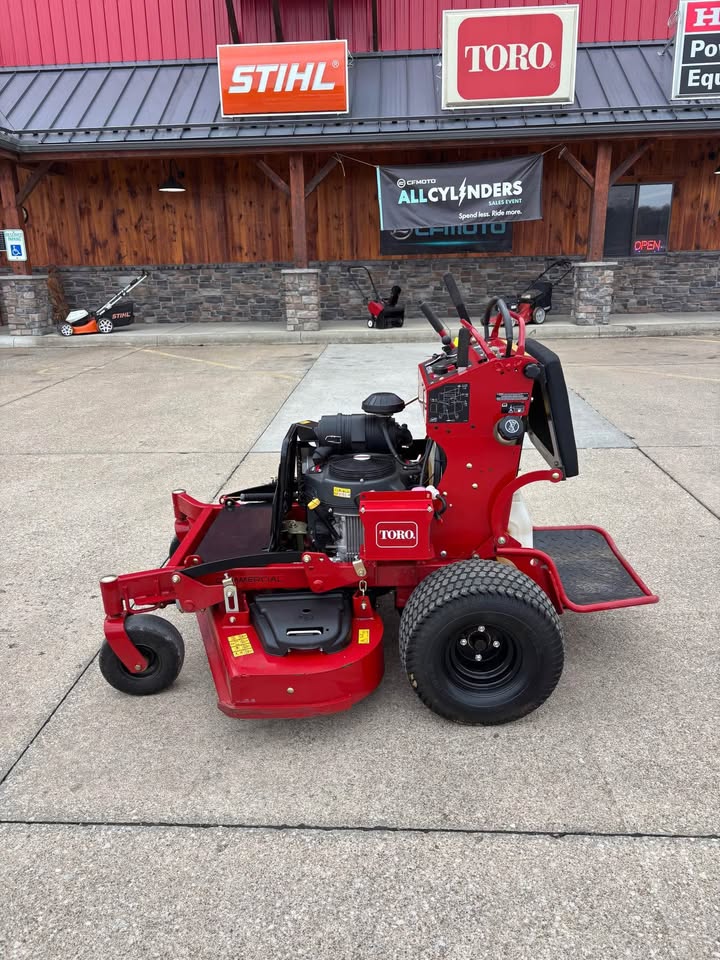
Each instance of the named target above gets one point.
<point>302,299</point>
<point>593,293</point>
<point>25,304</point>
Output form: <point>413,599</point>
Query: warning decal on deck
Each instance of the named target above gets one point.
<point>240,644</point>
<point>363,636</point>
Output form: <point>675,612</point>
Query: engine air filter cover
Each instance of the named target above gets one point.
<point>383,404</point>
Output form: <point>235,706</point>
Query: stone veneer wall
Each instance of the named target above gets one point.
<point>254,291</point>
<point>25,304</point>
<point>670,282</point>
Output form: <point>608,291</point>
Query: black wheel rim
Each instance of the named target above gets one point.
<point>482,657</point>
<point>153,663</point>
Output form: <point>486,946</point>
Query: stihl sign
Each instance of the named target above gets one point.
<point>396,534</point>
<point>697,50</point>
<point>283,78</point>
<point>518,55</point>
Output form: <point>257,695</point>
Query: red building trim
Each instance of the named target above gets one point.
<point>47,32</point>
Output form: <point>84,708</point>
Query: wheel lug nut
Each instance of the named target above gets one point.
<point>481,629</point>
<point>496,643</point>
<point>463,642</point>
<point>478,656</point>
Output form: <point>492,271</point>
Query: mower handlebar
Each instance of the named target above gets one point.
<point>458,302</point>
<point>433,319</point>
<point>497,307</point>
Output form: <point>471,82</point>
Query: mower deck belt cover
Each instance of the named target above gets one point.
<point>285,578</point>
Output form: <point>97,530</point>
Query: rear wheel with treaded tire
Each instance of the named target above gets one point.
<point>162,646</point>
<point>481,643</point>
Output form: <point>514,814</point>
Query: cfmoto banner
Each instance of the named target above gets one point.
<point>460,193</point>
<point>464,238</point>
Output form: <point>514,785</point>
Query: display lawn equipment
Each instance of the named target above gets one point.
<point>536,302</point>
<point>114,313</point>
<point>384,311</point>
<point>285,577</point>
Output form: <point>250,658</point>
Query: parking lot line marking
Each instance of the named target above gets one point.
<point>650,370</point>
<point>217,363</point>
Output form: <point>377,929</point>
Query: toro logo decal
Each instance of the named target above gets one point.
<point>505,56</point>
<point>283,78</point>
<point>396,534</point>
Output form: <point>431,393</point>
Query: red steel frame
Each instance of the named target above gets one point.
<point>479,480</point>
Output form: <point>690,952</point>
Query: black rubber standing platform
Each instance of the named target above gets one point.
<point>589,570</point>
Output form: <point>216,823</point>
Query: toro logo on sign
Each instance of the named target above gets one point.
<point>396,534</point>
<point>283,78</point>
<point>505,56</point>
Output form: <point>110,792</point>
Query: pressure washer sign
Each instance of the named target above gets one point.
<point>460,193</point>
<point>696,74</point>
<point>283,78</point>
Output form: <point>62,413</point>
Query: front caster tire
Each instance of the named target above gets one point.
<point>162,646</point>
<point>481,643</point>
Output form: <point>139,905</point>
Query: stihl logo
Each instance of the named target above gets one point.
<point>280,77</point>
<point>516,56</point>
<point>283,78</point>
<point>396,534</point>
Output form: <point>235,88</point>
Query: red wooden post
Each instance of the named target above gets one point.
<point>10,213</point>
<point>601,189</point>
<point>297,210</point>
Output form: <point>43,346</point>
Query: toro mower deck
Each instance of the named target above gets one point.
<point>284,578</point>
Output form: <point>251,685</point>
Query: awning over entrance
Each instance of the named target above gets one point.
<point>620,88</point>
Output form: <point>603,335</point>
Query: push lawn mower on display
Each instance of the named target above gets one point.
<point>285,578</point>
<point>384,311</point>
<point>114,313</point>
<point>536,302</point>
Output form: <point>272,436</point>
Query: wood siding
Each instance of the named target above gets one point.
<point>102,213</point>
<point>39,32</point>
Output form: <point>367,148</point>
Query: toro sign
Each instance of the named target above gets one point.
<point>518,55</point>
<point>283,78</point>
<point>696,73</point>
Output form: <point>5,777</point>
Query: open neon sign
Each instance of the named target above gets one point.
<point>649,246</point>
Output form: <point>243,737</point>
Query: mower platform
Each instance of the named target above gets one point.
<point>591,572</point>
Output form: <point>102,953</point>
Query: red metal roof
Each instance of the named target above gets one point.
<point>47,32</point>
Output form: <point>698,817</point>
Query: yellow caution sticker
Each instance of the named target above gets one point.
<point>344,492</point>
<point>363,636</point>
<point>240,644</point>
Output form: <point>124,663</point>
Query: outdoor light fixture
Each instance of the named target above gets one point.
<point>172,184</point>
<point>717,169</point>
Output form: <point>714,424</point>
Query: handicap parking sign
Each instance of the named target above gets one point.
<point>15,245</point>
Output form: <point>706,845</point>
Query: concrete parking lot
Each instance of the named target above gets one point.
<point>158,827</point>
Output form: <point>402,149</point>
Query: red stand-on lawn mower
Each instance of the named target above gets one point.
<point>284,578</point>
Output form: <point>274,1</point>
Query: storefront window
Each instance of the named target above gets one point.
<point>638,218</point>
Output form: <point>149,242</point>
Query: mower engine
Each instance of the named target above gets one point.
<point>355,454</point>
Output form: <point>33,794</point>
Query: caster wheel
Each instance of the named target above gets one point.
<point>105,325</point>
<point>162,646</point>
<point>539,315</point>
<point>174,544</point>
